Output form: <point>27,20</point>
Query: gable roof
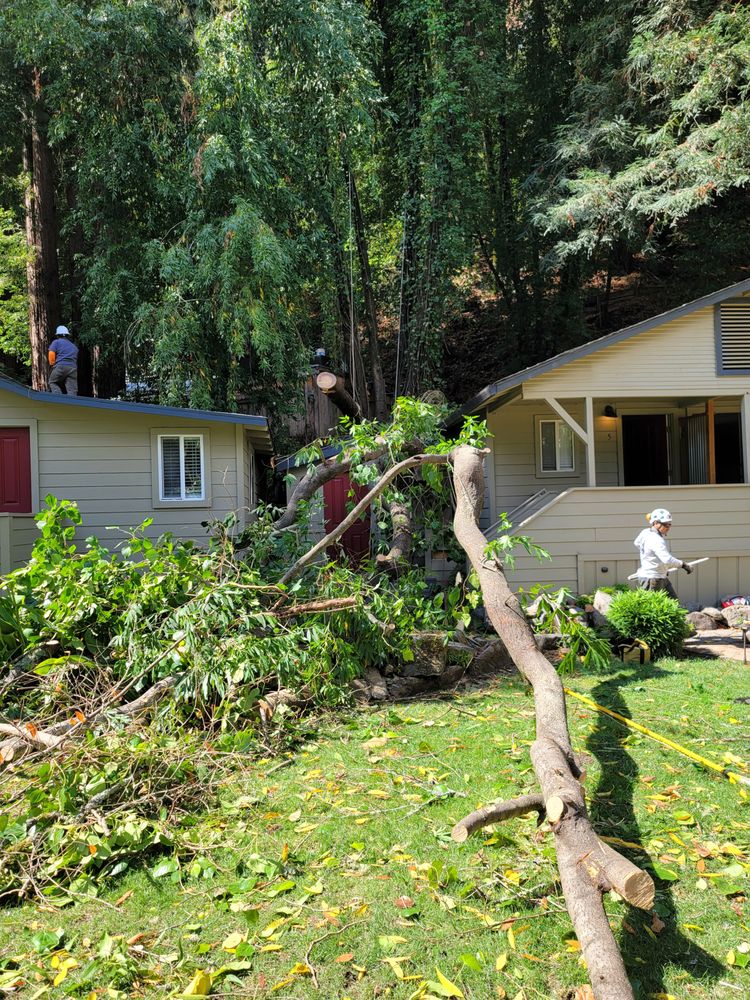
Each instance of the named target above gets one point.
<point>510,382</point>
<point>256,425</point>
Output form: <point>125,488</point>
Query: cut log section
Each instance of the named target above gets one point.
<point>334,387</point>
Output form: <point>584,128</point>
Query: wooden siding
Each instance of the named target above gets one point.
<point>249,480</point>
<point>103,461</point>
<point>679,357</point>
<point>18,532</point>
<point>586,530</point>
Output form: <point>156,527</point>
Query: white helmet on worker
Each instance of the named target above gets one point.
<point>62,331</point>
<point>660,515</point>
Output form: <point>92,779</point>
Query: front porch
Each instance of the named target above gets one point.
<point>646,441</point>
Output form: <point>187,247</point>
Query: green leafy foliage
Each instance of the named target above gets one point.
<point>151,609</point>
<point>501,547</point>
<point>14,319</point>
<point>652,616</point>
<point>584,648</point>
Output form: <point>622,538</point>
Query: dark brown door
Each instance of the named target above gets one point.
<point>645,451</point>
<point>15,470</point>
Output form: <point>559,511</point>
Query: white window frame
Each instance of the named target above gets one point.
<point>157,467</point>
<point>557,471</point>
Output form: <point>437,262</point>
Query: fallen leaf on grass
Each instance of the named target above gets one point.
<point>388,942</point>
<point>230,943</point>
<point>346,957</point>
<point>444,987</point>
<point>396,967</point>
<point>200,985</point>
<point>584,993</point>
<point>657,924</point>
<point>404,902</point>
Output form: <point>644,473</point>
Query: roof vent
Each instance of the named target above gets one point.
<point>733,330</point>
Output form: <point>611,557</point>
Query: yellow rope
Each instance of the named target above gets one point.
<point>704,761</point>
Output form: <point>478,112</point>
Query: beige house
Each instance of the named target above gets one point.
<point>121,463</point>
<point>586,443</point>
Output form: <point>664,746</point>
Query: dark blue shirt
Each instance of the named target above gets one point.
<point>66,353</point>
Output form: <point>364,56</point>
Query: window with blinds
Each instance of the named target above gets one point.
<point>733,337</point>
<point>557,451</point>
<point>181,467</point>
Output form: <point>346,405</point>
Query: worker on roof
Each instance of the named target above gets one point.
<point>656,559</point>
<point>62,355</point>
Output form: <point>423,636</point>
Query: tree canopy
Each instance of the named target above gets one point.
<point>207,192</point>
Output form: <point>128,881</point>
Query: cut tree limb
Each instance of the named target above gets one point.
<point>497,812</point>
<point>25,738</point>
<point>317,607</point>
<point>586,870</point>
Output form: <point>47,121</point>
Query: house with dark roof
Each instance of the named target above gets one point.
<point>654,415</point>
<point>121,462</point>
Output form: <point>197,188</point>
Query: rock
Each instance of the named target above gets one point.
<point>376,684</point>
<point>602,602</point>
<point>716,613</point>
<point>701,622</point>
<point>452,675</point>
<point>460,652</point>
<point>430,655</point>
<point>692,606</point>
<point>547,641</point>
<point>493,659</point>
<point>597,613</point>
<point>406,687</point>
<point>736,614</point>
<point>360,691</point>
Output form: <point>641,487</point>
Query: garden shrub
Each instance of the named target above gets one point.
<point>652,616</point>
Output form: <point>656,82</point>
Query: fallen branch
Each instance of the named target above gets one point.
<point>317,607</point>
<point>354,515</point>
<point>586,866</point>
<point>26,737</point>
<point>317,476</point>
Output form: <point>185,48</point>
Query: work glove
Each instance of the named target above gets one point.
<point>687,567</point>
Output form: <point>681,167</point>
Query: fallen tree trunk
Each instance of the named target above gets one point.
<point>587,867</point>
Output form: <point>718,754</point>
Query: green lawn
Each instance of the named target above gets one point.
<point>334,869</point>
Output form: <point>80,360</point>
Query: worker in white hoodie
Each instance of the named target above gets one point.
<point>656,558</point>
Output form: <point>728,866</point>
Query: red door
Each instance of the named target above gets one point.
<point>15,470</point>
<point>355,542</point>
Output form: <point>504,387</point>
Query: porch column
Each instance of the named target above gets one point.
<point>746,436</point>
<point>587,435</point>
<point>590,444</point>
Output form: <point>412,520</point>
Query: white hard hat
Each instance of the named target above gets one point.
<point>62,331</point>
<point>661,515</point>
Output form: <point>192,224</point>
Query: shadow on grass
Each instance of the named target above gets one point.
<point>646,957</point>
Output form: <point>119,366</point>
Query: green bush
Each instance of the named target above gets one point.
<point>652,616</point>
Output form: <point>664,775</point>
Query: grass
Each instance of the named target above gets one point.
<point>332,873</point>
